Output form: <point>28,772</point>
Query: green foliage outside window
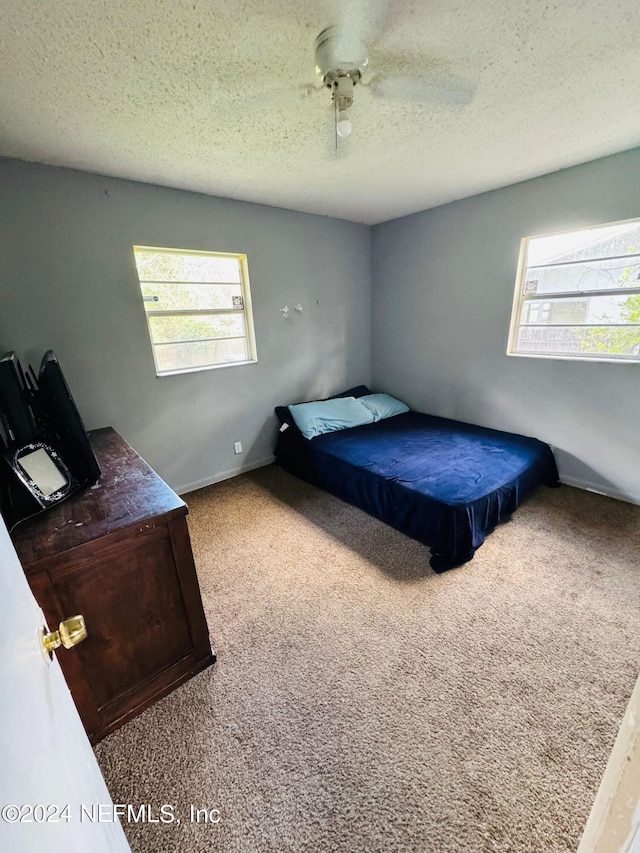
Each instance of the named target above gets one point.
<point>608,339</point>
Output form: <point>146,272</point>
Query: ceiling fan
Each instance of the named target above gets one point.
<point>342,63</point>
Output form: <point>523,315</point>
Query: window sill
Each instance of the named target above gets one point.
<point>581,358</point>
<point>206,367</point>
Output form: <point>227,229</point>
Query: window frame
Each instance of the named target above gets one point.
<point>519,300</point>
<point>246,311</point>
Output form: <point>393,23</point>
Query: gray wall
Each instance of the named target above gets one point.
<point>443,284</point>
<point>68,282</point>
<point>442,292</point>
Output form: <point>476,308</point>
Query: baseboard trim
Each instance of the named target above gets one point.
<point>598,489</point>
<point>225,475</point>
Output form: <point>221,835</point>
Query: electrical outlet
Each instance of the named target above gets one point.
<point>237,447</point>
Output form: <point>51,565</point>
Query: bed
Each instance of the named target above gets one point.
<point>442,482</point>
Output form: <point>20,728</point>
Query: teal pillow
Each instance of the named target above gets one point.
<point>383,406</point>
<point>314,419</point>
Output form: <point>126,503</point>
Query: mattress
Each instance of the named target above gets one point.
<point>442,482</point>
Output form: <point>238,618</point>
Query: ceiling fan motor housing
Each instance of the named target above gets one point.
<point>339,54</point>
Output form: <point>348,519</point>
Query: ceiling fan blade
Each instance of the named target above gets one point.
<point>268,99</point>
<point>427,88</point>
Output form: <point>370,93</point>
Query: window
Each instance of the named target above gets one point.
<point>198,308</point>
<point>578,295</point>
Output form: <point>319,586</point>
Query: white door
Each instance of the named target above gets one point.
<point>52,794</point>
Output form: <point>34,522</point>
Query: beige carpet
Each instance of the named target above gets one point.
<point>362,703</point>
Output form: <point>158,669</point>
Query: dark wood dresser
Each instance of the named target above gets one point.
<point>119,554</point>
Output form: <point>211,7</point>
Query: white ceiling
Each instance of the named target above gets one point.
<point>206,96</point>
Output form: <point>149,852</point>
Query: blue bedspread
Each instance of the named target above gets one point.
<point>443,482</point>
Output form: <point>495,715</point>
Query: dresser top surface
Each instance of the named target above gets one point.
<point>128,492</point>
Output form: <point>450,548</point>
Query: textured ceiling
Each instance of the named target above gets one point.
<point>208,96</point>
